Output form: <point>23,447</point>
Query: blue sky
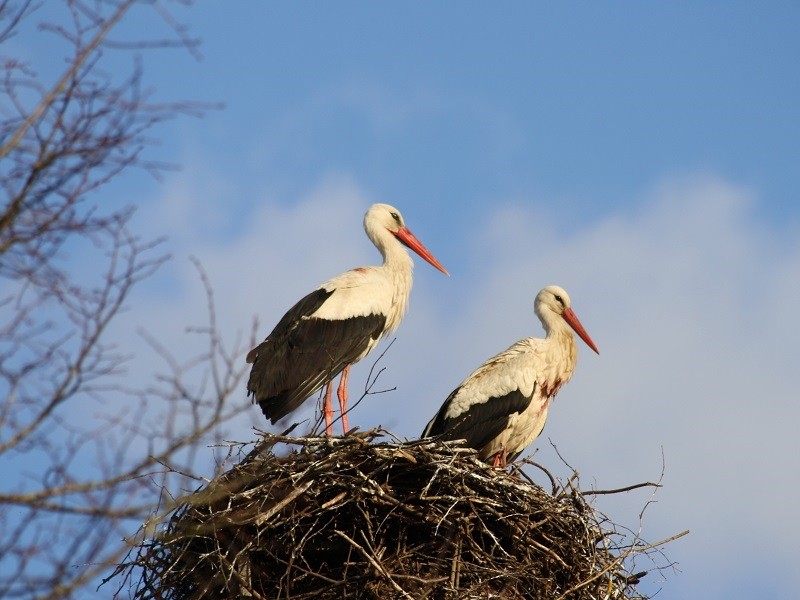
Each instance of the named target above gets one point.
<point>585,103</point>
<point>645,156</point>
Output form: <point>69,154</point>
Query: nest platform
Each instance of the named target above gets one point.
<point>370,516</point>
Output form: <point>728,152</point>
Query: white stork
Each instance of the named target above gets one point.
<point>502,406</point>
<point>337,324</point>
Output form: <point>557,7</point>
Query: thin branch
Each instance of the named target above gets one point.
<point>68,75</point>
<point>627,488</point>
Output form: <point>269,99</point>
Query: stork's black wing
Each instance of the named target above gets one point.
<point>481,422</point>
<point>303,353</point>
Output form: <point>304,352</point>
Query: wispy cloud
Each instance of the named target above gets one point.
<point>690,300</point>
<point>693,308</point>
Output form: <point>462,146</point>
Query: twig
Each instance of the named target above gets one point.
<point>622,489</point>
<point>378,567</point>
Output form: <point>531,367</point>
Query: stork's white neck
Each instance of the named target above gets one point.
<point>398,268</point>
<point>561,347</point>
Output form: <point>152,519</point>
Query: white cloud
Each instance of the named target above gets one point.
<point>692,305</point>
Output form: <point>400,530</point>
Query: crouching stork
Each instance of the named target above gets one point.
<point>502,407</point>
<point>337,324</point>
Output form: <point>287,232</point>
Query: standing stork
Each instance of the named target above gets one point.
<point>337,324</point>
<point>502,406</point>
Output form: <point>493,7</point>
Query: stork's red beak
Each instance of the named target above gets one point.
<point>572,320</point>
<point>409,239</point>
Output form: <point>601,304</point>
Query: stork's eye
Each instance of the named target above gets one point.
<point>396,217</point>
<point>560,300</point>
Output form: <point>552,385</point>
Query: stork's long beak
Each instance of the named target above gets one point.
<point>572,320</point>
<point>409,239</point>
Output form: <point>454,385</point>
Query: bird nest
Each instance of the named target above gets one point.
<point>369,516</point>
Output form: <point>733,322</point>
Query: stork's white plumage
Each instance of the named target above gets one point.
<point>502,407</point>
<point>337,324</point>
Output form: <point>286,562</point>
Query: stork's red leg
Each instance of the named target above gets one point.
<point>327,409</point>
<point>342,394</point>
<point>500,459</point>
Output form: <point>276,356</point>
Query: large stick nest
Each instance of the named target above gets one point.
<point>357,517</point>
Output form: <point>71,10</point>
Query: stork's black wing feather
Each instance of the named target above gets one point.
<point>481,422</point>
<point>303,353</point>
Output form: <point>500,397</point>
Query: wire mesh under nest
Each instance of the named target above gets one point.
<point>365,517</point>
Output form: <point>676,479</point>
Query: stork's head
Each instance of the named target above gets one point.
<point>552,305</point>
<point>383,218</point>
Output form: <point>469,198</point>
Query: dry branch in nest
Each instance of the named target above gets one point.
<point>363,517</point>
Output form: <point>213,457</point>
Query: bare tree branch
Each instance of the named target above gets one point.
<point>84,454</point>
<point>84,54</point>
